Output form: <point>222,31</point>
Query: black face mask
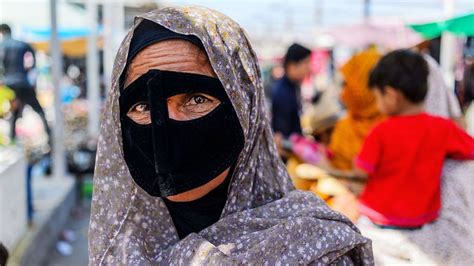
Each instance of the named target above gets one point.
<point>168,157</point>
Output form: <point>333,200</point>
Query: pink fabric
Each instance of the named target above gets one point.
<point>381,219</point>
<point>305,149</point>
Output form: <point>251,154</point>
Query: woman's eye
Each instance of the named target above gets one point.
<point>140,113</point>
<point>198,99</point>
<point>185,106</point>
<point>199,104</point>
<point>142,107</point>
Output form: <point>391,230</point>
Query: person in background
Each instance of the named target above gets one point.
<point>286,105</point>
<point>362,113</point>
<point>443,239</point>
<point>276,72</point>
<point>403,158</point>
<point>440,100</point>
<point>322,116</point>
<point>3,255</point>
<point>465,87</point>
<point>18,60</point>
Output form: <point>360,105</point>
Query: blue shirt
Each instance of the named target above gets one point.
<point>285,107</point>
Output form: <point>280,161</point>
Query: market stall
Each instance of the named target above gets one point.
<point>339,193</point>
<point>13,214</point>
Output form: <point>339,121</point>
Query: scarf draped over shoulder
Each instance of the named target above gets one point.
<point>264,219</point>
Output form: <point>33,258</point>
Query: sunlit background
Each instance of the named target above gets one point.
<point>43,220</point>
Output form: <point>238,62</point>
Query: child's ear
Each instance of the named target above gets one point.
<point>392,94</point>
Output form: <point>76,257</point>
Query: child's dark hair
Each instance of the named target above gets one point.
<point>403,70</point>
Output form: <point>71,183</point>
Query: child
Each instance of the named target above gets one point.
<point>403,155</point>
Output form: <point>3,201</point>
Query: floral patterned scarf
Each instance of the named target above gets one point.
<point>264,219</point>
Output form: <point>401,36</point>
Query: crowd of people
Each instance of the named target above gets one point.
<point>403,135</point>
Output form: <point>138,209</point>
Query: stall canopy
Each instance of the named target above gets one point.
<point>390,34</point>
<point>73,40</point>
<point>459,26</point>
<point>33,25</point>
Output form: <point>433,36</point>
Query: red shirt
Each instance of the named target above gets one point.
<point>404,157</point>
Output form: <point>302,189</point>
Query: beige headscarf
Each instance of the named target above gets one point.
<point>263,220</point>
<point>362,113</point>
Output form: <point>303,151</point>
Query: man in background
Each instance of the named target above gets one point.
<point>18,60</point>
<point>286,95</point>
<point>286,102</point>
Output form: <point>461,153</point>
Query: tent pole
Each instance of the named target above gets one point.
<point>114,22</point>
<point>92,67</point>
<point>448,47</point>
<point>58,156</point>
<point>367,9</point>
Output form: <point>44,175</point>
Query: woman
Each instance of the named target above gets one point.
<point>440,100</point>
<point>362,112</point>
<point>187,171</point>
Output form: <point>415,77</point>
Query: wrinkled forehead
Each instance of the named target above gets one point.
<point>232,59</point>
<point>171,55</point>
